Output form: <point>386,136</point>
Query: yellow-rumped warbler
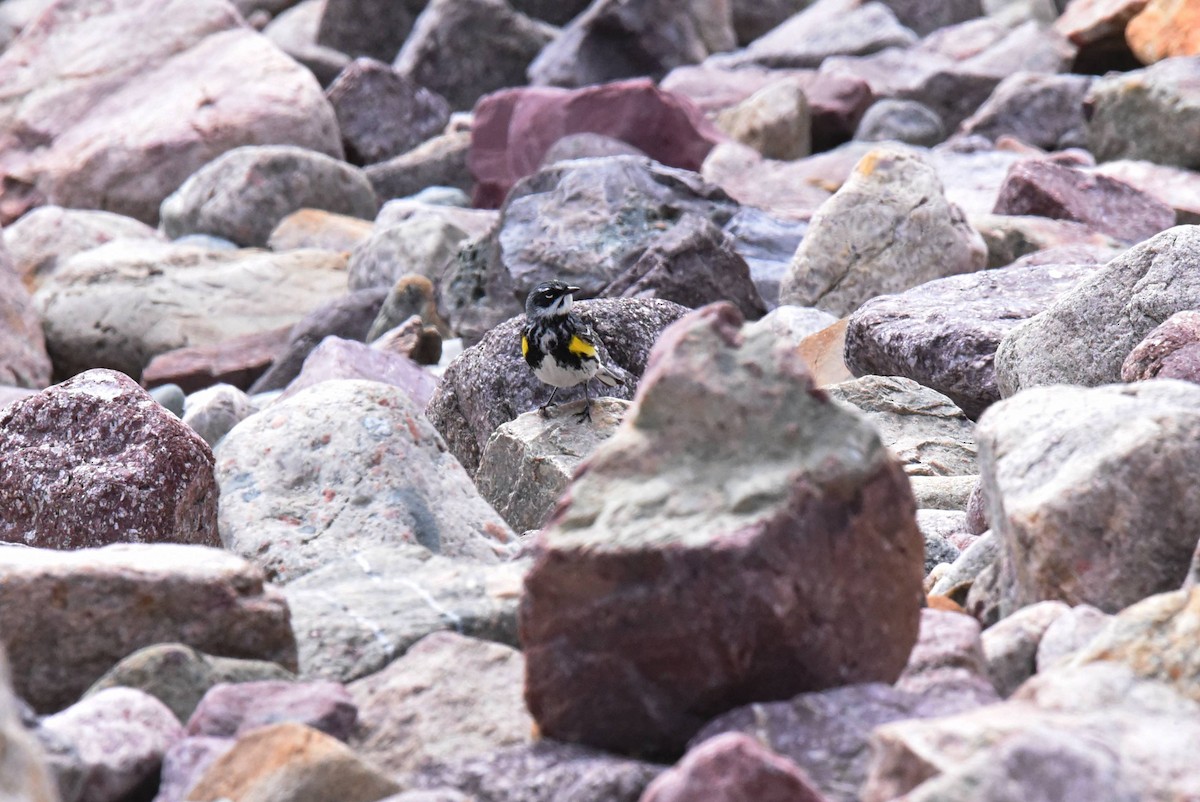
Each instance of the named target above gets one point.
<point>559,346</point>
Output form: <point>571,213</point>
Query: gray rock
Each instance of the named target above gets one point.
<point>753,18</point>
<point>171,397</point>
<point>1042,110</point>
<point>185,762</point>
<point>587,145</point>
<point>793,323</point>
<point>775,121</point>
<point>936,527</point>
<point>1011,646</point>
<point>1012,238</point>
<point>1086,495</point>
<point>213,411</point>
<point>942,492</point>
<point>374,28</point>
<point>243,194</point>
<point>856,246</point>
<point>945,333</point>
<point>1174,186</point>
<point>732,766</point>
<point>424,245</point>
<point>1084,337</point>
<point>356,615</point>
<point>892,119</point>
<point>767,243</point>
<point>1069,633</point>
<point>1144,114</point>
<point>464,49</point>
<point>956,583</point>
<point>926,16</point>
<point>440,161</point>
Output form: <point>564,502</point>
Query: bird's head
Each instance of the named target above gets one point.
<point>549,299</point>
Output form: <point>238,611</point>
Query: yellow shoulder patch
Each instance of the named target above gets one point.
<point>524,345</point>
<point>581,347</point>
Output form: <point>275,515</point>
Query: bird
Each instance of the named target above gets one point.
<point>559,347</point>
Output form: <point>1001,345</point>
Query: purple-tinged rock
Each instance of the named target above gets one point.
<point>1170,351</point>
<point>229,710</point>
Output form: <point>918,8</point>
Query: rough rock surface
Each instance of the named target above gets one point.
<point>887,229</point>
<point>213,411</point>
<point>96,460</point>
<point>732,767</point>
<point>1143,114</point>
<point>314,228</point>
<point>775,121</point>
<point>1068,634</point>
<point>608,552</point>
<point>909,121</point>
<point>1042,110</point>
<point>437,162</point>
<point>375,28</point>
<point>1091,507</point>
<point>230,710</point>
<point>23,358</point>
<point>1170,351</point>
<point>490,384</point>
<point>243,194</point>
<point>133,596</point>
<point>1011,646</point>
<point>302,489</point>
<point>1174,186</point>
<point>422,245</point>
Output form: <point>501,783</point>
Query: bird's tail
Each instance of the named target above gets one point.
<point>608,377</point>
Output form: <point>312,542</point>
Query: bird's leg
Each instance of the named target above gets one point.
<point>549,403</point>
<point>587,403</point>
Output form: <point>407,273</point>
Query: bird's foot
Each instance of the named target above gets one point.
<point>544,409</point>
<point>586,415</point>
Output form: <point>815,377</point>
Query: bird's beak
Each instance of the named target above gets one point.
<point>572,289</point>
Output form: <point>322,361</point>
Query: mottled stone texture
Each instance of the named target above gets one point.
<point>1170,351</point>
<point>732,767</point>
<point>1147,114</point>
<point>96,460</point>
<point>664,592</point>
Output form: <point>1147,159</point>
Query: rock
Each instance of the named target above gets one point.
<point>1170,351</point>
<point>908,121</point>
<point>338,359</point>
<point>230,710</point>
<point>291,762</point>
<point>413,714</point>
<point>927,433</point>
<point>1142,114</point>
<point>587,145</point>
<point>490,384</point>
<point>545,771</point>
<point>50,235</point>
<point>420,245</point>
<point>355,615</point>
<point>1085,335</point>
<point>614,40</point>
<point>124,303</point>
<point>25,778</point>
<point>314,228</point>
<point>945,333</point>
<point>972,178</point>
<point>119,737</point>
<point>925,17</point>
<point>826,28</point>
<point>973,561</point>
<point>348,316</point>
<point>822,352</point>
<point>774,121</point>
<point>1164,29</point>
<point>382,113</point>
<point>148,111</point>
<point>1174,186</point>
<point>515,128</point>
<point>1011,646</point>
<point>294,31</point>
<point>411,296</point>
<point>169,396</point>
<point>440,161</point>
<point>94,461</point>
<point>243,194</point>
<point>528,462</point>
<point>23,358</point>
<point>789,190</point>
<point>977,513</point>
<point>572,637</point>
<point>766,243</point>
<point>414,340</point>
<point>1088,508</point>
<point>938,527</point>
<point>213,411</point>
<point>942,492</point>
<point>1011,238</point>
<point>464,49</point>
<point>730,768</point>
<point>185,762</point>
<point>752,19</point>
<point>135,595</point>
<point>555,12</point>
<point>1054,190</point>
<point>947,669</point>
<point>374,28</point>
<point>1068,634</point>
<point>841,262</point>
<point>794,323</point>
<point>1045,111</point>
<point>1087,22</point>
<point>237,362</point>
<point>301,489</point>
<point>179,676</point>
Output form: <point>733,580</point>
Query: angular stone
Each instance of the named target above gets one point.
<point>243,194</point>
<point>1143,114</point>
<point>237,362</point>
<point>301,489</point>
<point>374,28</point>
<point>354,616</point>
<point>513,129</point>
<point>976,559</point>
<point>1085,335</point>
<point>732,767</point>
<point>1045,111</point>
<point>464,49</point>
<point>1174,186</point>
<point>1068,634</point>
<point>1010,238</point>
<point>775,121</point>
<point>1164,29</point>
<point>413,713</point>
<point>23,358</point>
<point>945,333</point>
<point>94,461</point>
<point>230,710</point>
<point>134,596</point>
<point>24,778</point>
<point>314,228</point>
<point>1170,351</point>
<point>856,248</point>
<point>1010,647</point>
<point>438,162</point>
<point>423,245</point>
<point>382,113</point>
<point>790,190</point>
<point>213,411</point>
<point>122,132</point>
<point>179,676</point>
<point>1057,191</point>
<point>669,448</point>
<point>124,303</point>
<point>892,119</point>
<point>1087,22</point>
<point>940,528</point>
<point>947,668</point>
<point>490,384</point>
<point>337,359</point>
<point>1085,491</point>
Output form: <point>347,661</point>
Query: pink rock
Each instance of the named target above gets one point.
<point>732,767</point>
<point>514,128</point>
<point>336,358</point>
<point>230,709</point>
<point>1086,22</point>
<point>238,361</point>
<point>23,358</point>
<point>185,762</point>
<point>1170,351</point>
<point>95,460</point>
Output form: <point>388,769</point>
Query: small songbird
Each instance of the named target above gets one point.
<point>559,346</point>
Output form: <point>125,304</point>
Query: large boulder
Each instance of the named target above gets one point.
<point>123,130</point>
<point>1144,114</point>
<point>23,358</point>
<point>701,559</point>
<point>95,460</point>
<point>889,228</point>
<point>1085,335</point>
<point>1086,491</point>
<point>302,489</point>
<point>69,616</point>
<point>490,384</point>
